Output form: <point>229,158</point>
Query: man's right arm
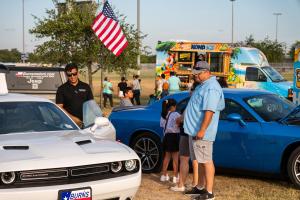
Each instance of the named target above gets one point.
<point>75,119</point>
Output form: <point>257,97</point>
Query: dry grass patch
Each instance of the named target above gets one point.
<point>226,187</point>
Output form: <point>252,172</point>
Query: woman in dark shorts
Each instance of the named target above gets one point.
<point>171,138</point>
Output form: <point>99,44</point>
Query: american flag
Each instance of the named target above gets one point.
<point>108,30</point>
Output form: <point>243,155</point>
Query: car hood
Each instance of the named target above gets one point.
<point>27,151</point>
<point>284,84</point>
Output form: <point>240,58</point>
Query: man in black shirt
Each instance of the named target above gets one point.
<point>122,87</point>
<point>71,95</point>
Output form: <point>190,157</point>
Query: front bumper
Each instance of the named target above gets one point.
<point>120,187</point>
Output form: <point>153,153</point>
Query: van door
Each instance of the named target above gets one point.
<point>256,79</point>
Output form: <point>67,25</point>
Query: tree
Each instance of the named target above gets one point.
<point>12,55</point>
<point>71,39</point>
<point>292,49</point>
<point>273,50</point>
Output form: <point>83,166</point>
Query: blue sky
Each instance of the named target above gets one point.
<point>196,20</point>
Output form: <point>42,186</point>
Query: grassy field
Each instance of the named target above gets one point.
<point>226,186</point>
<point>147,84</point>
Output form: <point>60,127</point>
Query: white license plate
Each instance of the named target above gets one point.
<point>75,194</point>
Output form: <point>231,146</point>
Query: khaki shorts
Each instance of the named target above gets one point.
<point>201,150</point>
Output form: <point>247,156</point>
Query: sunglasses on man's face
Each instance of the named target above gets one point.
<point>69,74</point>
<point>201,70</point>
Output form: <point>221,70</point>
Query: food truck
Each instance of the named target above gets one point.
<point>296,97</point>
<point>242,67</point>
<point>181,57</point>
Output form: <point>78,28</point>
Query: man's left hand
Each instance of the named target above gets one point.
<point>200,135</point>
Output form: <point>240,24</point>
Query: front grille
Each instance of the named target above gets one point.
<point>69,175</point>
<point>89,170</point>
<point>43,174</point>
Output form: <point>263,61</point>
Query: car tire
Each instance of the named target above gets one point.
<point>148,147</point>
<point>293,167</point>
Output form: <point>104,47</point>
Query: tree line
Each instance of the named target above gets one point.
<point>71,39</point>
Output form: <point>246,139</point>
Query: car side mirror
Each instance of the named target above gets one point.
<point>236,118</point>
<point>100,122</point>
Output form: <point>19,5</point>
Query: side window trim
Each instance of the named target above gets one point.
<point>228,99</point>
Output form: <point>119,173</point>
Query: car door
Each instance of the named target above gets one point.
<point>237,145</point>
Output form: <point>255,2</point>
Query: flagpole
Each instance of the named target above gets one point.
<point>23,32</point>
<point>138,29</point>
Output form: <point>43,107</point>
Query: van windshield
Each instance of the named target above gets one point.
<point>273,74</point>
<point>250,56</point>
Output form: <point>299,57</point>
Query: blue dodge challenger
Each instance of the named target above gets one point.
<point>258,132</point>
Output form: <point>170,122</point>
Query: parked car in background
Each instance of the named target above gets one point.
<point>38,81</point>
<point>258,132</point>
<point>45,155</point>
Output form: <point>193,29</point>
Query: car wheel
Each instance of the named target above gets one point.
<point>293,167</point>
<point>148,148</point>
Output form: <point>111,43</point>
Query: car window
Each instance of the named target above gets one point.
<point>234,107</point>
<point>270,107</point>
<point>32,117</point>
<point>254,74</point>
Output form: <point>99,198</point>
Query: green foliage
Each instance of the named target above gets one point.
<point>165,46</point>
<point>70,38</point>
<point>148,58</point>
<point>273,50</point>
<point>12,55</point>
<point>292,49</point>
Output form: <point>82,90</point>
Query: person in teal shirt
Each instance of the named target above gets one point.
<point>107,92</point>
<point>174,83</point>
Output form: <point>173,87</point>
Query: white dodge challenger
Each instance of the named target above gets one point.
<point>44,155</point>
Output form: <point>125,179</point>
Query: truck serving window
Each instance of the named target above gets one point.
<point>216,62</point>
<point>184,57</point>
<point>33,80</point>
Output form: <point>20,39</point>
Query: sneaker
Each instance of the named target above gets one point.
<point>177,189</point>
<point>164,178</point>
<point>175,180</point>
<point>206,196</point>
<point>195,191</point>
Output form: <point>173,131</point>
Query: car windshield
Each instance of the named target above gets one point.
<point>32,117</point>
<point>270,107</point>
<point>273,74</point>
<point>294,117</point>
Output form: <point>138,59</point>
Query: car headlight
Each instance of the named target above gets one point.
<point>8,177</point>
<point>116,166</point>
<point>130,165</point>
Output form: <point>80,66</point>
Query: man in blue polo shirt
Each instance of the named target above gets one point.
<point>201,123</point>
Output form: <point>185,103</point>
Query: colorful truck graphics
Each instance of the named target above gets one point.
<point>252,70</point>
<point>242,67</point>
<point>296,97</point>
